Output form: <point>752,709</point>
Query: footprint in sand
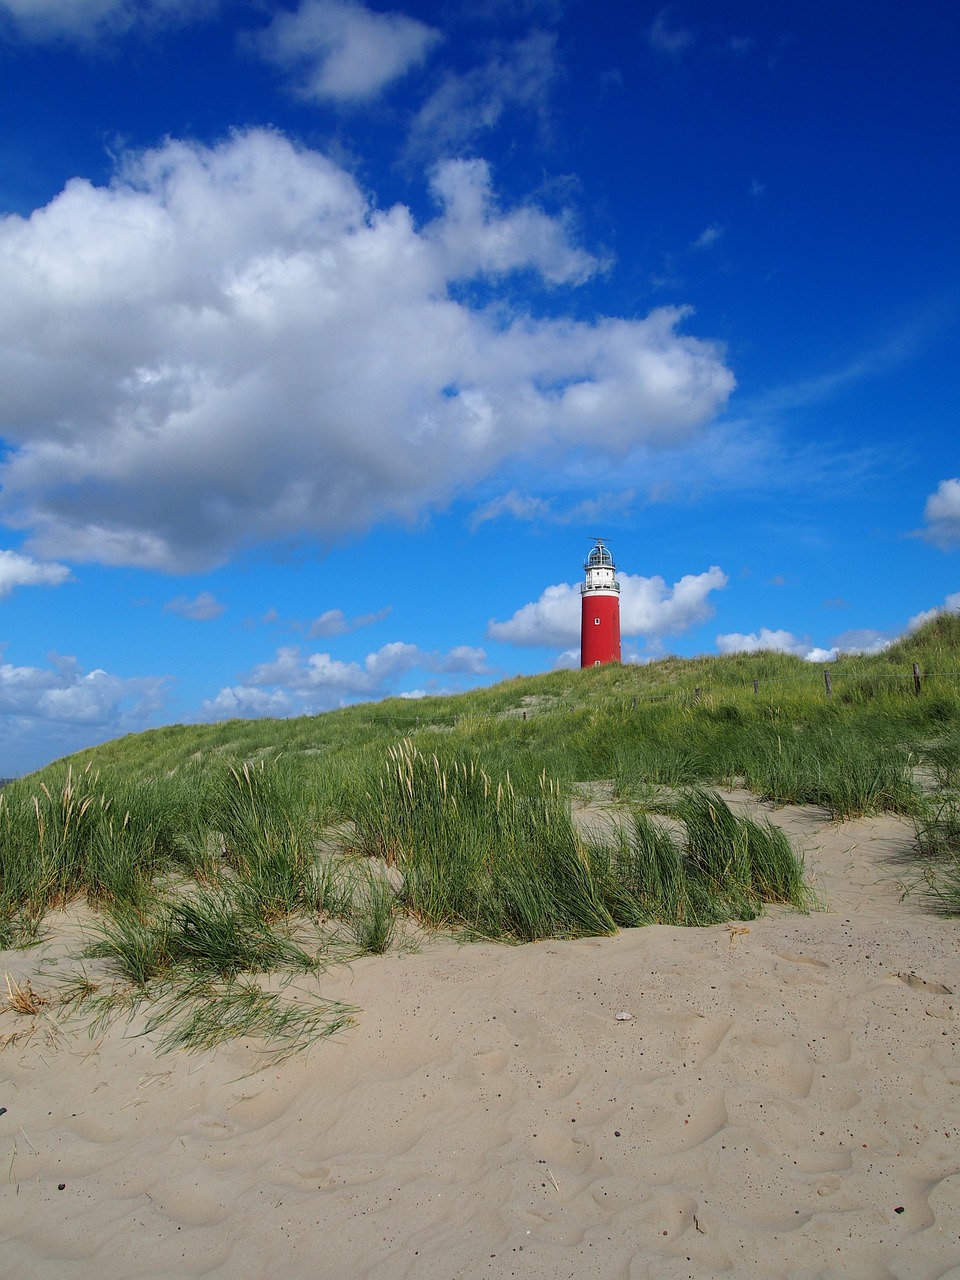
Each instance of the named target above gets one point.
<point>924,984</point>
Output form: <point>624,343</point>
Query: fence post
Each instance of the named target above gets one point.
<point>756,688</point>
<point>916,678</point>
<point>696,695</point>
<point>826,681</point>
<point>634,702</point>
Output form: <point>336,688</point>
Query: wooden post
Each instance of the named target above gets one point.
<point>916,678</point>
<point>826,681</point>
<point>634,702</point>
<point>756,688</point>
<point>696,695</point>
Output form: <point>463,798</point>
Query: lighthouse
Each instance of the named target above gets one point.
<point>600,609</point>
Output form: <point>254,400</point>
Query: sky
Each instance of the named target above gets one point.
<point>332,333</point>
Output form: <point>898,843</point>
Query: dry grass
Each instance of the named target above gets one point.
<point>23,999</point>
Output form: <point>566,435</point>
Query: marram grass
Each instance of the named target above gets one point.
<point>477,854</point>
<point>211,852</point>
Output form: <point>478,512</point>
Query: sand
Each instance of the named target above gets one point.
<point>784,1100</point>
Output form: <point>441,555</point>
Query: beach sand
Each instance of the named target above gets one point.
<point>784,1100</point>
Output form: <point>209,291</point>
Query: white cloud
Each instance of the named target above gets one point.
<point>228,346</point>
<point>203,608</point>
<point>342,51</point>
<point>22,571</point>
<point>515,77</point>
<point>648,607</point>
<point>461,658</point>
<point>863,640</point>
<point>475,238</point>
<point>859,641</point>
<point>243,702</point>
<point>332,622</point>
<point>950,605</point>
<point>767,640</point>
<point>297,683</point>
<point>942,514</point>
<point>85,21</point>
<point>67,694</point>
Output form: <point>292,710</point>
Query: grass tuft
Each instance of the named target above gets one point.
<point>205,1014</point>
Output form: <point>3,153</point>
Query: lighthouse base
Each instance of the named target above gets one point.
<point>599,628</point>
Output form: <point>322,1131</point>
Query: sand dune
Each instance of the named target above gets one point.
<point>784,1100</point>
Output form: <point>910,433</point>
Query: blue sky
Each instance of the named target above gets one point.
<point>331,333</point>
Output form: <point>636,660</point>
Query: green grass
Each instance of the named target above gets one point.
<point>211,851</point>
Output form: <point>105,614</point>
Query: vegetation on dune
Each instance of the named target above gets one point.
<point>214,854</point>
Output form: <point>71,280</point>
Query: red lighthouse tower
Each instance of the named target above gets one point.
<point>600,609</point>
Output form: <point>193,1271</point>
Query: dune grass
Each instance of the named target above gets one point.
<point>477,854</point>
<point>214,853</point>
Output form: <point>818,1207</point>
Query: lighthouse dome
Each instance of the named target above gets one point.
<point>599,558</point>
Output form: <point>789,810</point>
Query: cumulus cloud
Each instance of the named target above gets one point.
<point>49,712</point>
<point>65,693</point>
<point>766,640</point>
<point>229,345</point>
<point>342,51</point>
<point>780,641</point>
<point>942,514</point>
<point>648,607</point>
<point>204,608</point>
<point>23,571</point>
<point>858,641</point>
<point>950,605</point>
<point>296,683</point>
<point>88,20</point>
<point>474,236</point>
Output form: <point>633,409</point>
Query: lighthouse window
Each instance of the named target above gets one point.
<point>596,622</point>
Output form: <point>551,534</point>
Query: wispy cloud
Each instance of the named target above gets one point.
<point>334,622</point>
<point>708,236</point>
<point>666,36</point>
<point>204,607</point>
<point>515,505</point>
<point>513,81</point>
<point>88,21</point>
